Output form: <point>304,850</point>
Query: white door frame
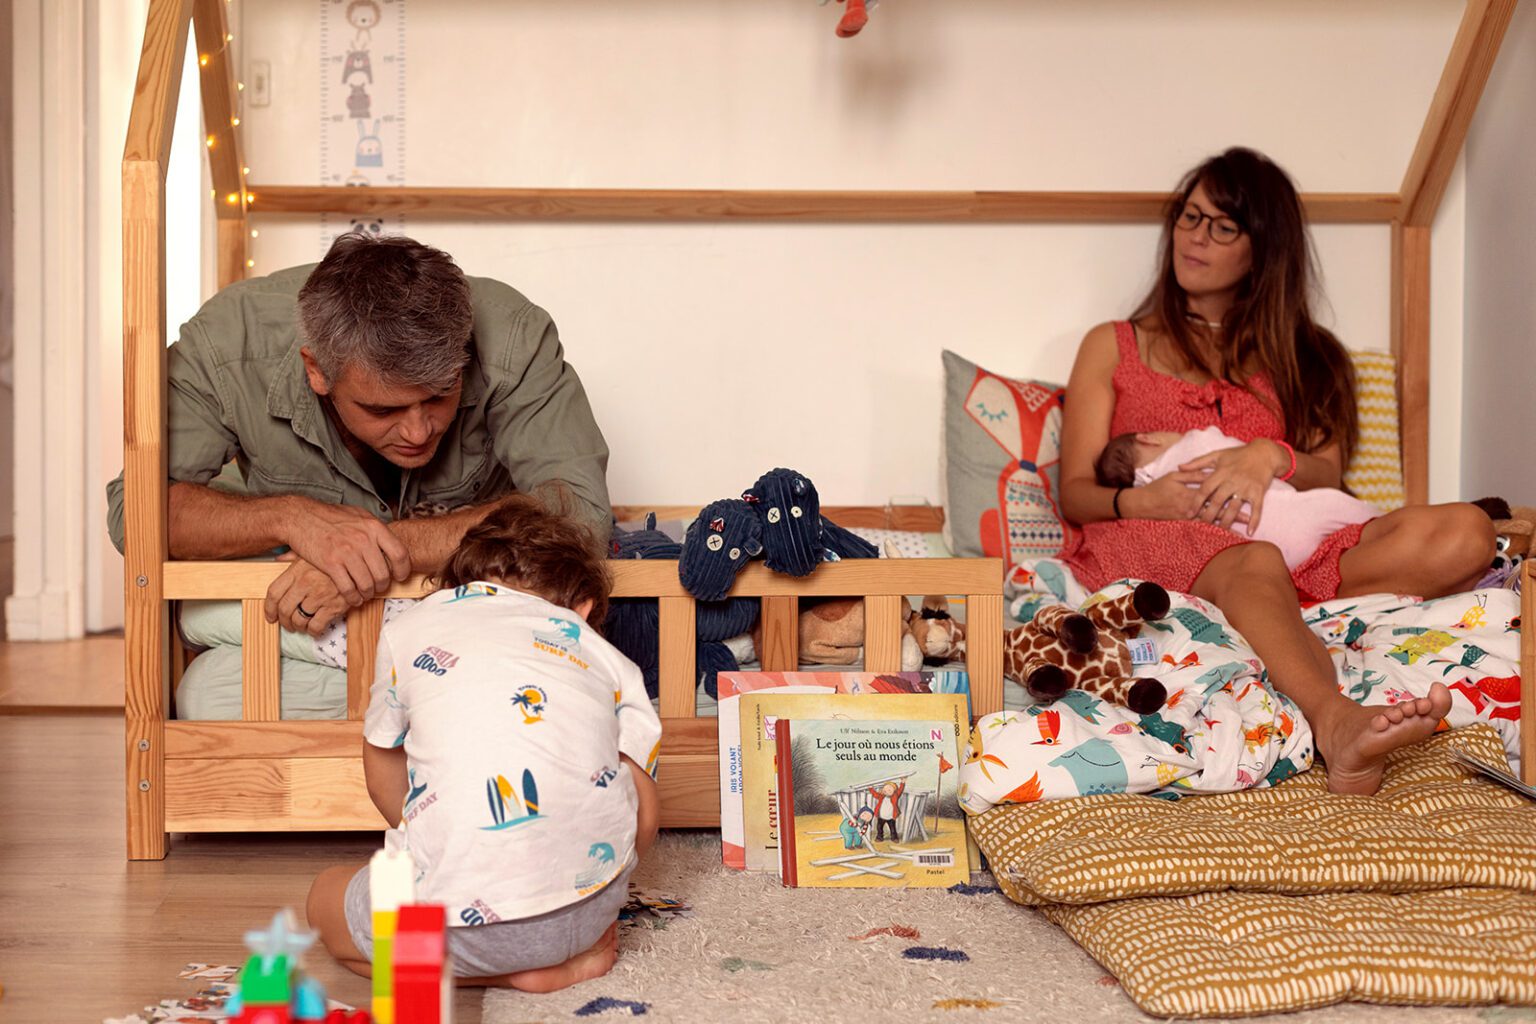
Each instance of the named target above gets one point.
<point>51,246</point>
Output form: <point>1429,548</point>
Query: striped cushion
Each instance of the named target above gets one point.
<point>1235,954</point>
<point>1291,897</point>
<point>1375,474</point>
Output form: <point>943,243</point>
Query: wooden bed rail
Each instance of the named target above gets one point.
<point>262,773</point>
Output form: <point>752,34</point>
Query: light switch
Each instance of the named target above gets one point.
<point>258,92</point>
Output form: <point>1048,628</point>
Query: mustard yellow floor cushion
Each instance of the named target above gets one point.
<point>1292,897</point>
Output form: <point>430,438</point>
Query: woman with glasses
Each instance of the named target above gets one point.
<point>1226,338</point>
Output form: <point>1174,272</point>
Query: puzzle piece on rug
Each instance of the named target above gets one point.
<point>735,964</point>
<point>966,1004</point>
<point>602,1004</point>
<point>900,931</point>
<point>209,972</point>
<point>935,953</point>
<point>658,910</point>
<point>967,889</point>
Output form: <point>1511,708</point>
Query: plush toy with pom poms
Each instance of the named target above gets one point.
<point>854,18</point>
<point>1061,649</point>
<point>633,623</point>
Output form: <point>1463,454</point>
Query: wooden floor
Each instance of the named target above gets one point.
<point>85,934</point>
<point>69,677</point>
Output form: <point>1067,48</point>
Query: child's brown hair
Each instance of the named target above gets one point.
<point>527,545</point>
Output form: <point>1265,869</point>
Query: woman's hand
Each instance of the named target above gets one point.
<point>1235,477</point>
<point>1172,496</point>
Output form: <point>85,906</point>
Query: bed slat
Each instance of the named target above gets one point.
<point>984,651</point>
<point>283,739</point>
<point>677,672</point>
<point>363,625</point>
<point>882,633</point>
<point>261,673</point>
<point>781,634</point>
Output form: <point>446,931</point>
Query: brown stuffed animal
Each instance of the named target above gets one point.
<point>939,636</point>
<point>1062,649</point>
<point>832,633</point>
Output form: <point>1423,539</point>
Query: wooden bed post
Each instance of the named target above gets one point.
<point>221,130</point>
<point>144,395</point>
<point>1410,348</point>
<point>1434,158</point>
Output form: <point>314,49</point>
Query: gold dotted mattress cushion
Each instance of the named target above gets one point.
<point>1291,897</point>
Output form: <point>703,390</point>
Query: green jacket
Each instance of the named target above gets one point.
<point>238,391</point>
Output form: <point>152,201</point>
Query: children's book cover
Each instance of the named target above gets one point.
<point>869,804</point>
<point>733,684</point>
<point>759,772</point>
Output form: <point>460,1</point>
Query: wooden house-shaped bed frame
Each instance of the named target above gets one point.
<point>265,774</point>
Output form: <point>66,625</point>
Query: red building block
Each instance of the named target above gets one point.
<point>423,975</point>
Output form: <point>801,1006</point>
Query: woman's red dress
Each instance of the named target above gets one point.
<point>1174,552</point>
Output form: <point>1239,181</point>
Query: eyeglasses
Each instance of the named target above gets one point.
<point>1224,230</point>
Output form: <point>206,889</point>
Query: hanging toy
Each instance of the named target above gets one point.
<point>854,18</point>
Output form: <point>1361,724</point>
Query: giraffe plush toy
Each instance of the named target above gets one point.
<point>1061,649</point>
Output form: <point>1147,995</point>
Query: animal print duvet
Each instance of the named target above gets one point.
<point>1223,727</point>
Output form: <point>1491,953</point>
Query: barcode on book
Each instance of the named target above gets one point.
<point>936,860</point>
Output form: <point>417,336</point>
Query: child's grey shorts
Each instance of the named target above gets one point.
<point>486,950</point>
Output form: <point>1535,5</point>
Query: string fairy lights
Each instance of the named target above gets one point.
<point>217,62</point>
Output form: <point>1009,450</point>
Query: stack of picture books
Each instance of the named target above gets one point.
<point>844,778</point>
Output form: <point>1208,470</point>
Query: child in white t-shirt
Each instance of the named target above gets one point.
<point>513,751</point>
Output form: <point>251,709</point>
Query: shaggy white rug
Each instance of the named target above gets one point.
<point>752,952</point>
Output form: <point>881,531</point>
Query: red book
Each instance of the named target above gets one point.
<point>788,866</point>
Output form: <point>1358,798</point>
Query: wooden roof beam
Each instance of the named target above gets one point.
<point>774,205</point>
<point>1450,113</point>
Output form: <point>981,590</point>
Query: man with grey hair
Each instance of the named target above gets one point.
<point>351,392</point>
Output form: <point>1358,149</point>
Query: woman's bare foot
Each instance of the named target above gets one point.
<point>584,966</point>
<point>1356,742</point>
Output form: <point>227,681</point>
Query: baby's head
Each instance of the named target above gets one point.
<point>525,545</point>
<point>1117,464</point>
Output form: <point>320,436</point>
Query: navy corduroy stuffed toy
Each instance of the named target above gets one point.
<point>790,510</point>
<point>633,624</point>
<point>841,543</point>
<point>718,543</point>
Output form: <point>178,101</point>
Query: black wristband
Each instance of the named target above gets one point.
<point>1116,502</point>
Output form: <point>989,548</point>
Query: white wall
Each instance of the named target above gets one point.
<point>7,247</point>
<point>1500,379</point>
<point>114,35</point>
<point>713,352</point>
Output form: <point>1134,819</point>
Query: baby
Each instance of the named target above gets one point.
<point>512,750</point>
<point>1294,521</point>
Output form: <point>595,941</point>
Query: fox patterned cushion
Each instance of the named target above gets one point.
<point>1002,449</point>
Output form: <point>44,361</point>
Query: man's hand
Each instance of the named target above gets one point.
<point>357,552</point>
<point>304,599</point>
